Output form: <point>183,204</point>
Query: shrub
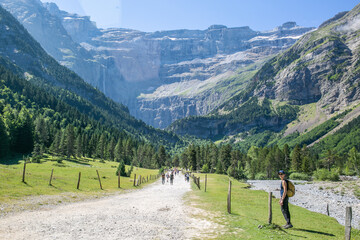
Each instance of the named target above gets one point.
<point>205,168</point>
<point>261,176</point>
<point>237,173</point>
<point>299,176</point>
<point>325,175</point>
<point>59,160</point>
<point>121,169</point>
<point>36,159</point>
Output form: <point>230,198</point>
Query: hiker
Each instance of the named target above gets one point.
<point>171,178</point>
<point>167,177</point>
<point>163,178</point>
<point>284,199</point>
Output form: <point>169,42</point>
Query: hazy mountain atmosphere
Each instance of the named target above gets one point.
<point>83,107</point>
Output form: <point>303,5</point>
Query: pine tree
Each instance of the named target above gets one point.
<point>111,149</point>
<point>4,139</point>
<point>296,158</point>
<point>24,141</point>
<point>286,151</point>
<point>118,151</point>
<point>225,156</point>
<point>162,156</point>
<point>354,160</point>
<point>100,150</point>
<point>176,161</point>
<point>79,146</point>
<point>69,141</point>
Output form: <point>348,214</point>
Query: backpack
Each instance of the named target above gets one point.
<point>291,189</point>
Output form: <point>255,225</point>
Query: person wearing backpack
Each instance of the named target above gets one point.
<point>284,199</point>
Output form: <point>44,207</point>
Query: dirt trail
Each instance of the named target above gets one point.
<point>155,212</point>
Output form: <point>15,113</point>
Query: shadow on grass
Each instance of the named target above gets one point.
<point>77,161</point>
<point>12,159</point>
<point>312,231</point>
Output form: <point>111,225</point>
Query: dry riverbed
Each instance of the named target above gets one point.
<point>155,212</point>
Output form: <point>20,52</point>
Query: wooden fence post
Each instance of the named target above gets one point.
<point>327,209</point>
<point>52,171</point>
<point>229,199</point>
<point>119,179</point>
<point>147,178</point>
<point>78,184</point>
<point>205,181</point>
<point>270,207</point>
<point>140,180</point>
<point>99,179</point>
<point>23,177</point>
<point>348,218</point>
<point>134,179</point>
<point>199,182</point>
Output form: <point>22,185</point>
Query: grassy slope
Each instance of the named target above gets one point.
<point>64,179</point>
<point>250,209</point>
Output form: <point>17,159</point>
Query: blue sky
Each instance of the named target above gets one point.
<point>153,15</point>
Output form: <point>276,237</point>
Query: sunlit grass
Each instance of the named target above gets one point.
<point>65,178</point>
<point>250,210</point>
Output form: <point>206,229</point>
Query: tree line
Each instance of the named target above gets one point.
<point>264,162</point>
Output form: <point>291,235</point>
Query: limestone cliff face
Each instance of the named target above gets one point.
<point>193,62</point>
<point>141,69</point>
<point>322,68</point>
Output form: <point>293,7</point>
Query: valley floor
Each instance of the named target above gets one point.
<point>155,212</point>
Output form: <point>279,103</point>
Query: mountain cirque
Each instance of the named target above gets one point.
<point>161,76</point>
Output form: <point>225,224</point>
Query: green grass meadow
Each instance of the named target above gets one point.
<point>250,210</point>
<point>65,178</point>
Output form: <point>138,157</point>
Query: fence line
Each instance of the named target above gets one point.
<point>137,182</point>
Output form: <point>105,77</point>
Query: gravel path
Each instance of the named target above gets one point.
<point>315,197</point>
<point>155,212</point>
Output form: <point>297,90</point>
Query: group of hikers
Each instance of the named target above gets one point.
<point>169,176</point>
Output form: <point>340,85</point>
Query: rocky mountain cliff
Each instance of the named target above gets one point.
<point>316,79</point>
<point>160,76</point>
<point>180,73</point>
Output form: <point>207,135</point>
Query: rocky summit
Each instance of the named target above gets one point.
<point>161,76</point>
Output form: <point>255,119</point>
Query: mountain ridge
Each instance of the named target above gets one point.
<point>132,66</point>
<point>321,68</point>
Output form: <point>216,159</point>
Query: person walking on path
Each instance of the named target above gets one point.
<point>171,178</point>
<point>163,177</point>
<point>284,199</point>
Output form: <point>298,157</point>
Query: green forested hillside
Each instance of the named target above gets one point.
<point>42,120</point>
<point>46,108</point>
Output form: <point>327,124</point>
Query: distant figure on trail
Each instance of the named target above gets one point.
<point>284,199</point>
<point>187,177</point>
<point>167,177</point>
<point>163,178</point>
<point>171,178</point>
